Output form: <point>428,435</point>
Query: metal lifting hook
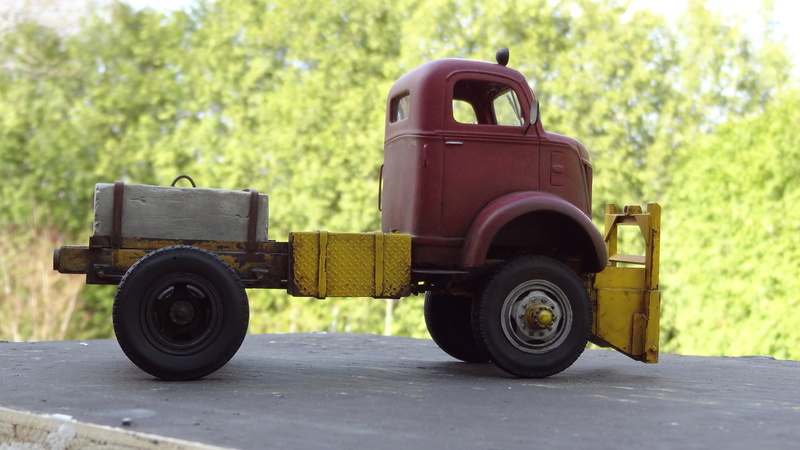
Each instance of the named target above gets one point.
<point>187,177</point>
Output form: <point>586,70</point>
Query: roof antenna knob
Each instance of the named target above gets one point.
<point>502,56</point>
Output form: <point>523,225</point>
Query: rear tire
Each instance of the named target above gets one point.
<point>533,317</point>
<point>180,313</point>
<point>448,318</point>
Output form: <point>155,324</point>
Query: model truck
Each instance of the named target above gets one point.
<point>482,210</point>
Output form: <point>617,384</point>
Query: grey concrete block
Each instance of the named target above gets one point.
<point>179,213</point>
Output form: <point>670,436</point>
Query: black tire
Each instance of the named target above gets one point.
<point>180,313</point>
<point>448,318</point>
<point>533,317</point>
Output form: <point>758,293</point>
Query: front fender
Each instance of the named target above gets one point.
<point>511,206</point>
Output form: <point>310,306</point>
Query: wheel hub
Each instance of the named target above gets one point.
<point>537,316</point>
<point>181,312</point>
<point>540,317</point>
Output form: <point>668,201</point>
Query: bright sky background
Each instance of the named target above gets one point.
<point>785,17</point>
<point>787,14</point>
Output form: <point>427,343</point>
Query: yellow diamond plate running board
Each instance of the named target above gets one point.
<point>327,264</point>
<point>627,302</point>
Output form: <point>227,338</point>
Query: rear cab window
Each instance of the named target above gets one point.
<point>400,107</point>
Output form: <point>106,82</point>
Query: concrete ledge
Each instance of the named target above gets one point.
<point>343,391</point>
<point>22,430</point>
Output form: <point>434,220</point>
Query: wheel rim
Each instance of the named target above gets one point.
<point>536,316</point>
<point>181,314</point>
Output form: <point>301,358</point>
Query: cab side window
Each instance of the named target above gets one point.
<point>486,103</point>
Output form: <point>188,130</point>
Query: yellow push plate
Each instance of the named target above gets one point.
<point>626,296</point>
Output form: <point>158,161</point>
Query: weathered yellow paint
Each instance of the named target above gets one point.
<point>264,265</point>
<point>150,244</point>
<point>350,264</point>
<point>627,299</point>
<point>72,259</point>
<point>125,258</point>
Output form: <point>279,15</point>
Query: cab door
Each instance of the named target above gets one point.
<point>488,150</point>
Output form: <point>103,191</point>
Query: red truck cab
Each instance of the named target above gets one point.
<point>471,174</point>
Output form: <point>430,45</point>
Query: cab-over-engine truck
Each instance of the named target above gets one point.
<point>481,209</point>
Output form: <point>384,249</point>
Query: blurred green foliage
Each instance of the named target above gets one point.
<point>734,239</point>
<point>287,97</point>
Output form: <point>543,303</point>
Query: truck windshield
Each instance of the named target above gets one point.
<point>507,110</point>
